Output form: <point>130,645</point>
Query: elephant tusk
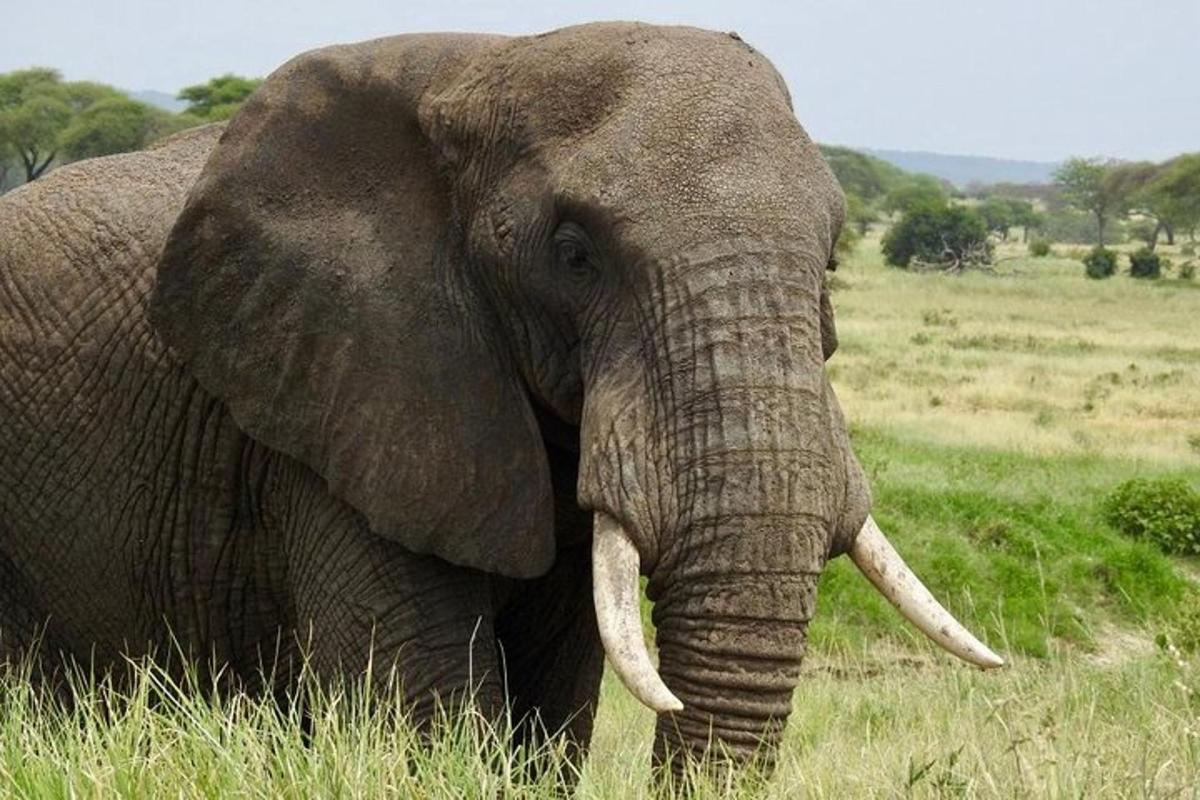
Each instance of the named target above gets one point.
<point>883,567</point>
<point>615,568</point>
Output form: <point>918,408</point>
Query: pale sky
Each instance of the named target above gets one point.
<point>1030,79</point>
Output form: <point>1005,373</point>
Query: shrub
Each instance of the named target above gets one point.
<point>951,237</point>
<point>1187,249</point>
<point>1145,263</point>
<point>1100,262</point>
<point>1165,511</point>
<point>1039,248</point>
<point>1187,271</point>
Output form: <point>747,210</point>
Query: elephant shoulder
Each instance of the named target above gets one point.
<point>97,213</point>
<point>79,247</point>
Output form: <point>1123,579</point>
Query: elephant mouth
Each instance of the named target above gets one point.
<point>617,596</point>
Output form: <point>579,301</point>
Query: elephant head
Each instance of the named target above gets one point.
<point>405,256</point>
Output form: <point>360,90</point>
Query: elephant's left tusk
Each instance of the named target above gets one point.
<point>874,555</point>
<point>615,568</point>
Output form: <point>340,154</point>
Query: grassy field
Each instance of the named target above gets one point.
<point>992,413</point>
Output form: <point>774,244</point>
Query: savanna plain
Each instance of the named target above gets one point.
<point>992,412</point>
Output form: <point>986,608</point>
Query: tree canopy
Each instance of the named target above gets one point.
<point>867,177</point>
<point>45,120</point>
<point>219,98</point>
<point>1086,186</point>
<point>916,191</point>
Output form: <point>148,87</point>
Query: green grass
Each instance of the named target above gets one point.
<point>992,413</point>
<point>1014,544</point>
<point>900,727</point>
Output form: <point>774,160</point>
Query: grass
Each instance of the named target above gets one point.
<point>992,413</point>
<point>862,728</point>
<point>1035,358</point>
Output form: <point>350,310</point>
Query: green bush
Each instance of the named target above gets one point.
<point>939,235</point>
<point>1100,262</point>
<point>1165,511</point>
<point>1145,263</point>
<point>1187,249</point>
<point>1187,271</point>
<point>1039,248</point>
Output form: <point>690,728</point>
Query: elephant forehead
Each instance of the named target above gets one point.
<point>694,125</point>
<point>566,82</point>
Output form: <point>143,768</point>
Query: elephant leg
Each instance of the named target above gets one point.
<point>363,605</point>
<point>26,642</point>
<point>551,652</point>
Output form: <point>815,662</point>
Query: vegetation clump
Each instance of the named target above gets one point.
<point>932,235</point>
<point>1165,511</point>
<point>1145,263</point>
<point>1039,248</point>
<point>1100,262</point>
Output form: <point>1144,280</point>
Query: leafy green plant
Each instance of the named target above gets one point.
<point>1100,262</point>
<point>1187,271</point>
<point>1145,263</point>
<point>1039,248</point>
<point>940,236</point>
<point>1165,511</point>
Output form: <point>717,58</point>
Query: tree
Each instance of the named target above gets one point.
<point>919,190</point>
<point>998,214</point>
<point>1173,195</point>
<point>1002,213</point>
<point>1084,185</point>
<point>33,111</point>
<point>1026,216</point>
<point>44,119</point>
<point>949,237</point>
<point>113,125</point>
<point>220,98</point>
<point>860,174</point>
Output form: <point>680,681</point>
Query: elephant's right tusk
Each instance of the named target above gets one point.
<point>615,591</point>
<point>883,567</point>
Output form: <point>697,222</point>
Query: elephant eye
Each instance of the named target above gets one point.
<point>573,250</point>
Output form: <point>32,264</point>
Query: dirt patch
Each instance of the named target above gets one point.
<point>1116,646</point>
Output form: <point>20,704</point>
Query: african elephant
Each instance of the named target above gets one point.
<point>422,359</point>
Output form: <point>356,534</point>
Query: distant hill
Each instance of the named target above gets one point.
<point>962,170</point>
<point>167,102</point>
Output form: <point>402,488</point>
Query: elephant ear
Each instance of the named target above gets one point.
<point>315,282</point>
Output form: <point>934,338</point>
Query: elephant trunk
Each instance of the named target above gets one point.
<point>726,482</point>
<point>734,669</point>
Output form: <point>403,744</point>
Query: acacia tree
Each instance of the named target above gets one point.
<point>1173,196</point>
<point>219,98</point>
<point>1003,213</point>
<point>44,119</point>
<point>33,111</point>
<point>1083,185</point>
<point>115,124</point>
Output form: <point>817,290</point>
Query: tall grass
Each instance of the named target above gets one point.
<point>863,727</point>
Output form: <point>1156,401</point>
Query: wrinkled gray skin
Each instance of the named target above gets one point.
<point>359,368</point>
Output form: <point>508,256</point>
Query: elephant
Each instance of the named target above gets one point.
<point>421,361</point>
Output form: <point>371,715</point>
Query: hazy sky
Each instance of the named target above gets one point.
<point>1035,79</point>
